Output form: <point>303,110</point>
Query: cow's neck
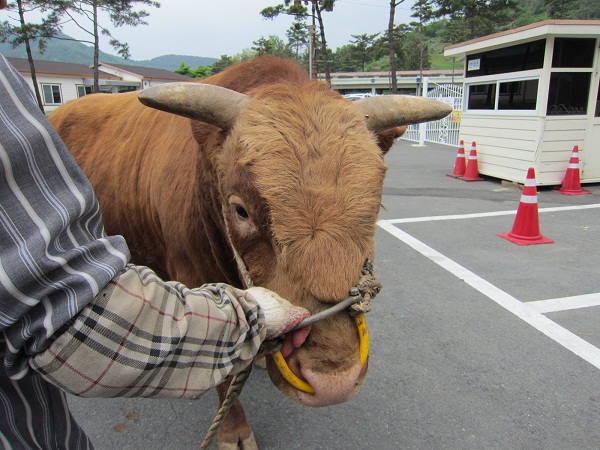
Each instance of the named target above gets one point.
<point>217,257</point>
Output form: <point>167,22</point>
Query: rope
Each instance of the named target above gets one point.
<point>235,388</point>
<point>367,288</point>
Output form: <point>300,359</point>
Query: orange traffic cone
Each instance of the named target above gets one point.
<point>460,164</point>
<point>526,229</point>
<point>472,169</point>
<point>571,184</point>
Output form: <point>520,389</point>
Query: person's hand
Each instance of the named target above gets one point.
<point>281,317</point>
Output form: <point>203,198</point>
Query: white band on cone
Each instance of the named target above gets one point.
<point>529,199</point>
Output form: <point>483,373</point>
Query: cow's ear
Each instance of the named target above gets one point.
<point>215,105</point>
<point>386,138</point>
<point>383,112</point>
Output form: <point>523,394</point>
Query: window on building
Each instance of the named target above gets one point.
<point>569,93</point>
<point>504,95</point>
<point>573,52</point>
<point>482,96</point>
<point>571,77</point>
<point>518,95</point>
<point>516,58</point>
<point>83,90</point>
<point>126,89</point>
<point>51,94</point>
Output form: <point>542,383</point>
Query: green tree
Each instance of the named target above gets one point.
<point>476,17</point>
<point>344,59</point>
<point>289,7</point>
<point>297,36</point>
<point>300,11</point>
<point>588,9</point>
<point>530,11</point>
<point>223,63</point>
<point>392,45</point>
<point>85,14</point>
<point>263,46</point>
<point>560,9</point>
<point>573,9</point>
<point>273,45</point>
<point>364,47</point>
<point>19,31</point>
<point>202,72</point>
<point>423,11</point>
<point>381,46</point>
<point>318,6</point>
<point>416,56</point>
<point>184,69</point>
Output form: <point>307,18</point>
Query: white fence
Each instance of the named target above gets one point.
<point>443,131</point>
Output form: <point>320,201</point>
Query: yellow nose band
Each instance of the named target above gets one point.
<point>363,349</point>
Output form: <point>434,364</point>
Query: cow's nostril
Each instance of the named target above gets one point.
<point>331,388</point>
<point>294,366</point>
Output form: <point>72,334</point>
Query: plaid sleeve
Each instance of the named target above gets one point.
<point>142,337</point>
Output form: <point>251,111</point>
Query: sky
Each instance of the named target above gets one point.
<point>213,28</point>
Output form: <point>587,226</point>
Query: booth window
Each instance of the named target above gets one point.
<point>516,58</point>
<point>518,95</point>
<point>482,96</point>
<point>573,52</point>
<point>507,95</point>
<point>569,93</point>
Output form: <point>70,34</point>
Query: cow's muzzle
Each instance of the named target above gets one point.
<point>357,305</point>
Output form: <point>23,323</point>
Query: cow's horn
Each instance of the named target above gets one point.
<point>383,112</point>
<point>211,104</point>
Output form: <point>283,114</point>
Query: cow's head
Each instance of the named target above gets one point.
<point>300,178</point>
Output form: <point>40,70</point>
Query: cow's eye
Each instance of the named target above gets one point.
<point>238,206</point>
<point>240,211</point>
<point>240,216</point>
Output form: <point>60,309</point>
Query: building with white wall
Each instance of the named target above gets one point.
<point>409,81</point>
<point>530,95</point>
<point>61,82</point>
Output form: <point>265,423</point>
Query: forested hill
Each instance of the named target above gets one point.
<point>64,50</point>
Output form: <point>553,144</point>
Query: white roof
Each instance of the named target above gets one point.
<point>575,28</point>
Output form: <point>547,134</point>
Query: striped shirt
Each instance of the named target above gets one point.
<point>74,315</point>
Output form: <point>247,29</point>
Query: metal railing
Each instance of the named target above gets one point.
<point>443,131</point>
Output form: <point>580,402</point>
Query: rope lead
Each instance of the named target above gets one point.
<point>235,388</point>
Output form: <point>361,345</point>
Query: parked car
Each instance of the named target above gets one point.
<point>358,96</point>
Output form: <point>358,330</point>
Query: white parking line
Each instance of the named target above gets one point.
<point>522,310</point>
<point>565,303</point>
<point>488,214</point>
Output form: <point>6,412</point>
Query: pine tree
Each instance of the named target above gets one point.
<point>297,36</point>
<point>477,17</point>
<point>392,45</point>
<point>364,47</point>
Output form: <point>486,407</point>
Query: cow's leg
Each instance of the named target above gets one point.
<point>235,433</point>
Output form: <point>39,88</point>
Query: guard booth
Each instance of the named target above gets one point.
<point>530,95</point>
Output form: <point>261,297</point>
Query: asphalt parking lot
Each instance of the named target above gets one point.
<point>475,342</point>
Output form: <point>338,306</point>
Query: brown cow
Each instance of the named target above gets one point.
<point>275,181</point>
